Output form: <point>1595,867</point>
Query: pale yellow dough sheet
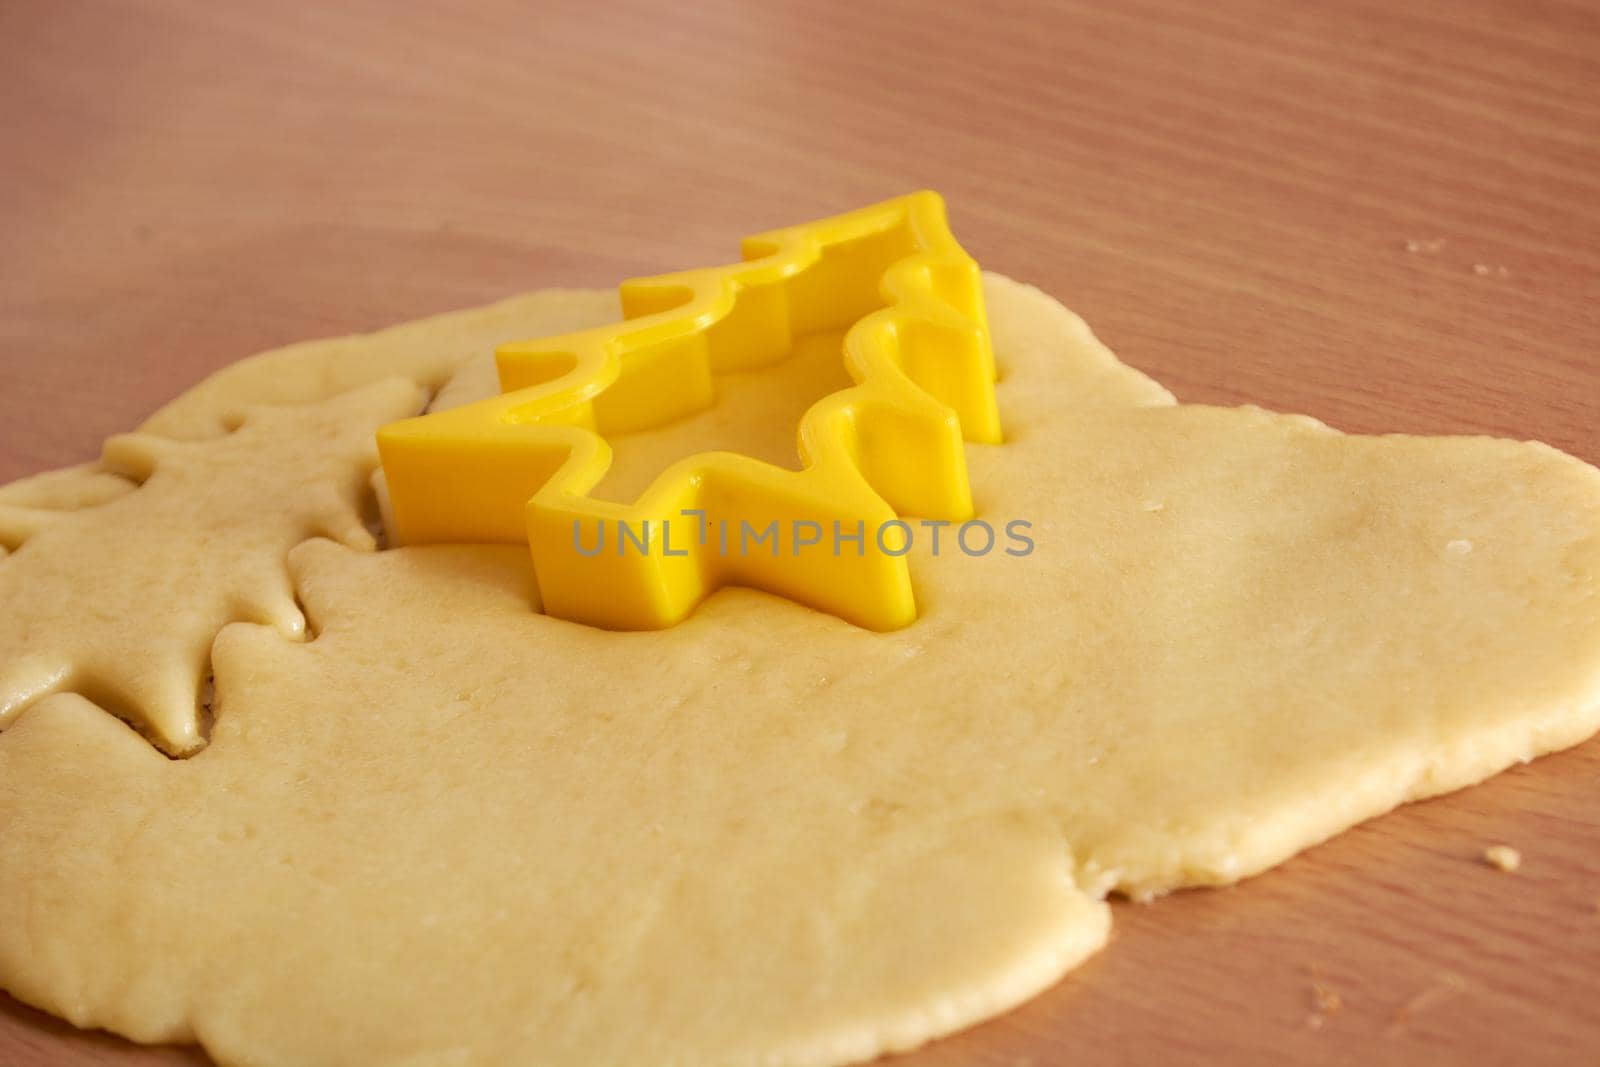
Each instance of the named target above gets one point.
<point>448,830</point>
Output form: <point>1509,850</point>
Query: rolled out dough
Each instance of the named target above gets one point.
<point>447,830</point>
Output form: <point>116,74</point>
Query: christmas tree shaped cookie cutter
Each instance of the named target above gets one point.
<point>521,465</point>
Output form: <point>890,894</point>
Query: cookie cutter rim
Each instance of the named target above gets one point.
<point>521,464</point>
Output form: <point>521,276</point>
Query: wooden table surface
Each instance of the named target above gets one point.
<point>1383,214</point>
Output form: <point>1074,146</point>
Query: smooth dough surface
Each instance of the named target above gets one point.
<point>447,830</point>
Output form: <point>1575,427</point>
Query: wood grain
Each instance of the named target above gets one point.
<point>1381,214</point>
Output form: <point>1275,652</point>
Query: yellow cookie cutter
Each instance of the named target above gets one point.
<point>521,464</point>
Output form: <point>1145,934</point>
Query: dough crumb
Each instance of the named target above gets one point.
<point>1328,1000</point>
<point>1154,505</point>
<point>1502,857</point>
<point>1325,1002</point>
<point>1458,547</point>
<point>1417,245</point>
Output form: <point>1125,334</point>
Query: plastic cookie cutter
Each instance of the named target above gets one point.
<point>522,464</point>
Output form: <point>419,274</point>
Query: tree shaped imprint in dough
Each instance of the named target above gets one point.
<point>121,601</point>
